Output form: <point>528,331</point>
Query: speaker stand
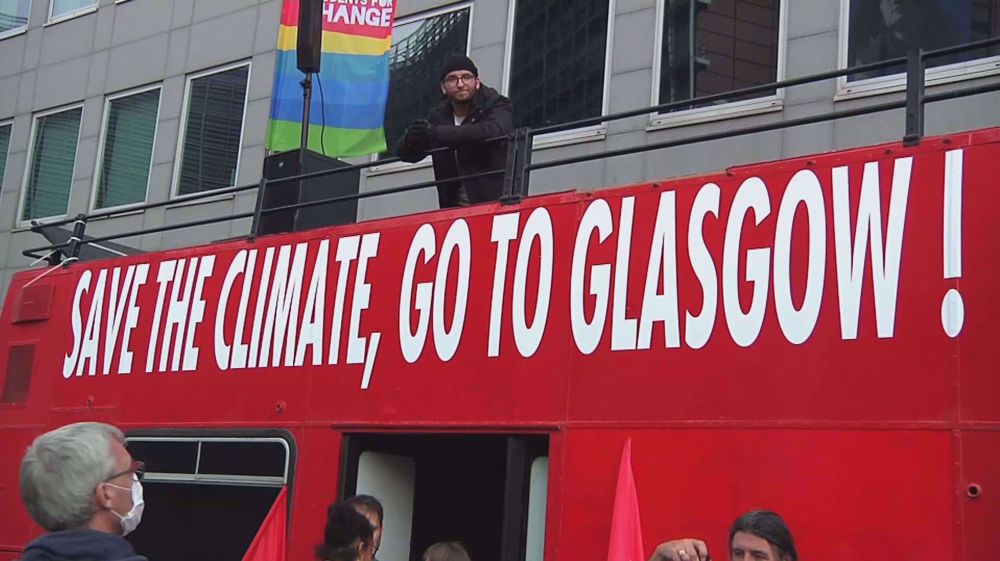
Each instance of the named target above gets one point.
<point>306,102</point>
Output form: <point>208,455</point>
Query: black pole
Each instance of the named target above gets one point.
<point>306,100</point>
<point>691,47</point>
<point>509,169</point>
<point>73,251</point>
<point>308,56</point>
<point>914,97</point>
<point>524,163</point>
<point>518,160</point>
<point>258,207</point>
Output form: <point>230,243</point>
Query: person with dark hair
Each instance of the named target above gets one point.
<point>466,123</point>
<point>758,535</point>
<point>370,508</point>
<point>348,536</point>
<point>446,551</point>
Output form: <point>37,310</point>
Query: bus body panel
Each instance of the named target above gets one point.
<point>762,361</point>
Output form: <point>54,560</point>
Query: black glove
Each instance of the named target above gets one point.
<point>419,131</point>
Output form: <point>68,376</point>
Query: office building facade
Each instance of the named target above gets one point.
<point>110,104</point>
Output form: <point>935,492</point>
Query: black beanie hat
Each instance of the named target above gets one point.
<point>458,62</point>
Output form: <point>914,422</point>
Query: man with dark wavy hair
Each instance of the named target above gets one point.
<point>759,535</point>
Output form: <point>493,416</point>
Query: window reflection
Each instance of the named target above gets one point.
<point>885,29</point>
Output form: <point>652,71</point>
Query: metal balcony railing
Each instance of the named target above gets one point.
<point>518,168</point>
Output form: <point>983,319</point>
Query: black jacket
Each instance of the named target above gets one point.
<point>469,152</point>
<point>80,545</point>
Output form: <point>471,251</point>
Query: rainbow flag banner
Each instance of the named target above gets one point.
<point>349,94</point>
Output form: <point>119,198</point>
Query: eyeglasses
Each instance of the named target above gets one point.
<point>464,78</point>
<point>137,468</point>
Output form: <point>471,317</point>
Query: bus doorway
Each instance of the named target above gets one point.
<point>487,491</point>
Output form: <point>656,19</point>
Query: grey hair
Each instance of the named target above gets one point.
<point>61,469</point>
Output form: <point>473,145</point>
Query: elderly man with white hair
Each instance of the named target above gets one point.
<point>81,484</point>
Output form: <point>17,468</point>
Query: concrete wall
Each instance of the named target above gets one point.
<point>118,47</point>
<point>124,45</point>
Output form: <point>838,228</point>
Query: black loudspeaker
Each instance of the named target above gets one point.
<point>286,164</point>
<point>310,37</point>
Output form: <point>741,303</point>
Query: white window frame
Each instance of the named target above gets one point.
<point>959,71</point>
<point>14,32</point>
<point>426,162</point>
<point>102,139</point>
<point>185,109</point>
<point>6,157</point>
<point>23,198</point>
<point>571,136</point>
<point>17,30</point>
<point>70,15</point>
<point>218,478</point>
<point>4,123</point>
<point>730,110</point>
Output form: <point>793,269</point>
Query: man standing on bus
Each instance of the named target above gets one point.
<point>466,126</point>
<point>759,535</point>
<point>81,484</point>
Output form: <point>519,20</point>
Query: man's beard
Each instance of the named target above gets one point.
<point>466,103</point>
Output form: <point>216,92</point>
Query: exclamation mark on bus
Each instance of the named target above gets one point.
<point>952,307</point>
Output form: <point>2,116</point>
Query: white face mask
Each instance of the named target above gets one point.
<point>130,521</point>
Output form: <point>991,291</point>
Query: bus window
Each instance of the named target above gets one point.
<point>485,490</point>
<point>206,496</point>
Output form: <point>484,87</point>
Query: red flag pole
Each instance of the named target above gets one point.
<point>269,543</point>
<point>626,528</point>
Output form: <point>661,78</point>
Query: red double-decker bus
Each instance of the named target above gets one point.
<point>815,336</point>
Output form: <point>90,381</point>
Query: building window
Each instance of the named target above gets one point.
<point>709,48</point>
<point>127,149</point>
<point>420,46</point>
<point>4,147</point>
<point>13,15</point>
<point>50,169</point>
<point>558,60</point>
<point>884,29</point>
<point>68,8</point>
<point>213,126</point>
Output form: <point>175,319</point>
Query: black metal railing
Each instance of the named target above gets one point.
<point>518,168</point>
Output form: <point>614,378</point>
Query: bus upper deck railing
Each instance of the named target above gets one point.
<point>518,168</point>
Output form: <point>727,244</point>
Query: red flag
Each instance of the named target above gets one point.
<point>626,529</point>
<point>269,543</point>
